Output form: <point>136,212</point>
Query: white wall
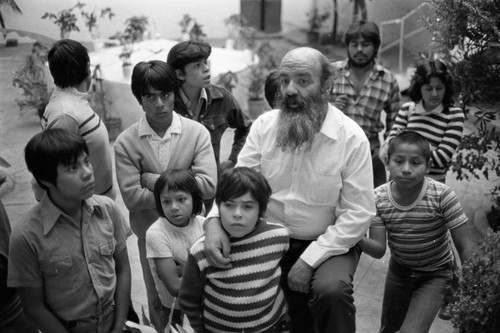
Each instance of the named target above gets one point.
<point>164,15</point>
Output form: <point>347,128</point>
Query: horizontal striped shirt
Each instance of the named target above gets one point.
<point>244,298</point>
<point>442,128</point>
<point>417,234</point>
<point>380,92</point>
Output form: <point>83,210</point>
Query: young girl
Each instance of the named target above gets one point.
<point>246,297</point>
<point>178,201</point>
<point>416,213</point>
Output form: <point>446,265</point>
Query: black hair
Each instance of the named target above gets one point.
<point>46,150</point>
<point>69,63</point>
<point>186,52</point>
<point>272,87</point>
<point>178,180</point>
<point>413,138</point>
<point>153,74</point>
<point>366,29</point>
<point>238,181</point>
<point>424,72</point>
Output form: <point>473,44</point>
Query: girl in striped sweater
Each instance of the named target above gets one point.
<point>431,114</point>
<point>415,213</point>
<point>246,297</point>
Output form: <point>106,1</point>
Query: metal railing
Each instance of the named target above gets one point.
<point>402,36</point>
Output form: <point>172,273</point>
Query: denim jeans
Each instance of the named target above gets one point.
<point>329,307</point>
<point>412,298</point>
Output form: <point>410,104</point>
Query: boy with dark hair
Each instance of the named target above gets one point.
<point>68,253</point>
<point>246,297</point>
<point>414,214</point>
<point>160,140</point>
<point>68,108</point>
<point>198,99</point>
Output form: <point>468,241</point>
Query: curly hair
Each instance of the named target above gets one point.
<point>423,74</point>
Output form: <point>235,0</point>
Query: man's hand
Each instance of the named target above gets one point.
<point>299,277</point>
<point>217,246</point>
<point>341,102</point>
<point>226,165</point>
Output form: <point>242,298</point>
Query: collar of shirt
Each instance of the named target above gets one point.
<point>51,213</point>
<point>146,130</point>
<point>419,108</point>
<point>187,102</point>
<point>70,91</point>
<point>332,117</point>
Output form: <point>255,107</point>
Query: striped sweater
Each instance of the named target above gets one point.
<point>244,298</point>
<point>69,109</point>
<point>418,234</point>
<point>443,129</point>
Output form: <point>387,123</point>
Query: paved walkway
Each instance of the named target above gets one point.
<point>17,127</point>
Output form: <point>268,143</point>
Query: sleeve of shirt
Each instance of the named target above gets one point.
<point>236,120</point>
<point>400,123</point>
<point>191,294</point>
<point>204,167</point>
<point>442,155</point>
<point>452,211</point>
<point>121,229</point>
<point>24,270</point>
<point>354,212</point>
<point>393,105</point>
<point>66,122</point>
<point>157,245</point>
<point>250,155</point>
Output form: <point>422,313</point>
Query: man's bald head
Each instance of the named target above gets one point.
<point>306,56</point>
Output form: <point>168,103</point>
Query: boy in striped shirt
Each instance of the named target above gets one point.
<point>415,212</point>
<point>246,297</point>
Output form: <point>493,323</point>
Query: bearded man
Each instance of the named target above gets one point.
<point>363,88</point>
<point>317,161</point>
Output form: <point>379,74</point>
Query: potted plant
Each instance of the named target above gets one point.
<point>185,24</point>
<point>234,24</point>
<point>228,80</point>
<point>31,78</point>
<point>316,19</point>
<point>477,305</point>
<point>134,32</point>
<point>90,19</point>
<point>465,35</point>
<point>196,33</point>
<point>65,19</point>
<point>99,104</point>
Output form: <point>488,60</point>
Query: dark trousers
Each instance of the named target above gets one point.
<point>329,306</point>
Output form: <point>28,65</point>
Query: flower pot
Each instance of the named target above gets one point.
<point>256,107</point>
<point>114,127</point>
<point>127,71</point>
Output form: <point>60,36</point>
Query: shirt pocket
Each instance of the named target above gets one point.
<point>213,123</point>
<point>107,248</point>
<point>60,274</point>
<point>324,189</point>
<point>271,169</point>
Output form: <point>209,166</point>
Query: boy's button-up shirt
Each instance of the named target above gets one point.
<point>379,92</point>
<point>73,262</point>
<point>324,194</point>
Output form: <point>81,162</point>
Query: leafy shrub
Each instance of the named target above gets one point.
<point>477,308</point>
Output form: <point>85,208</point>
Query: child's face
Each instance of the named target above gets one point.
<point>177,206</point>
<point>158,106</point>
<point>196,74</point>
<point>433,93</point>
<point>74,181</point>
<point>407,165</point>
<point>239,215</point>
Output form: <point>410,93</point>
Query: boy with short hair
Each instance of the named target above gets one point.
<point>415,212</point>
<point>68,254</point>
<point>68,108</point>
<point>247,296</point>
<point>198,99</point>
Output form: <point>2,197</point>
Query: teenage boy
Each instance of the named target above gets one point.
<point>68,255</point>
<point>68,108</point>
<point>160,140</point>
<point>198,99</point>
